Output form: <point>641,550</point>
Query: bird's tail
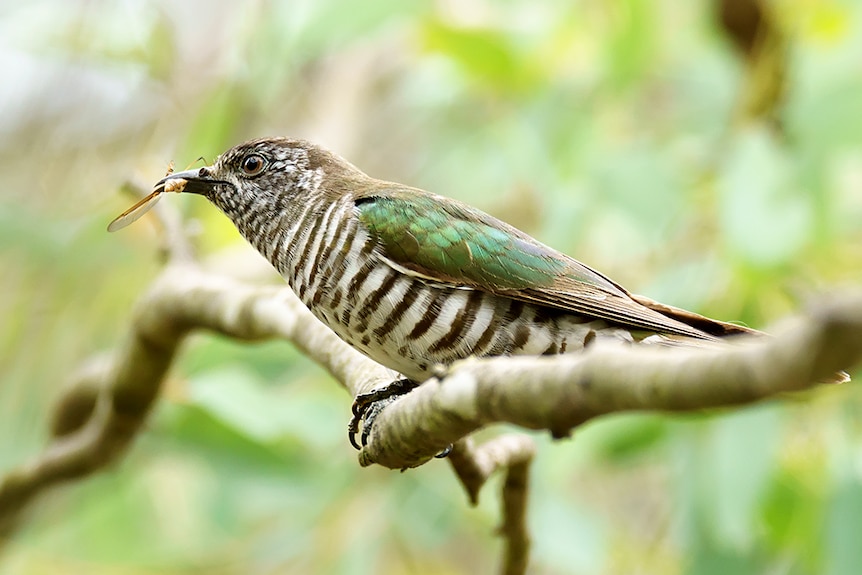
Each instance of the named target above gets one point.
<point>711,326</point>
<point>701,322</point>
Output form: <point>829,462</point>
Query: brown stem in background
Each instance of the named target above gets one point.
<point>475,464</point>
<point>752,28</point>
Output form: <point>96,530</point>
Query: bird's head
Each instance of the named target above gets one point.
<point>262,183</point>
<point>272,175</point>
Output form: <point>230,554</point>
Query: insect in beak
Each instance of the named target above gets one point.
<point>143,206</point>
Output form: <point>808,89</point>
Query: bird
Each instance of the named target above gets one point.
<point>416,280</point>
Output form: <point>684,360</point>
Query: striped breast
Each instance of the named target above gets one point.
<point>406,323</point>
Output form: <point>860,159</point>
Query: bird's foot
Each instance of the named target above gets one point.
<point>367,406</point>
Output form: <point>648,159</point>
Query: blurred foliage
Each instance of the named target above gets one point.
<point>607,128</point>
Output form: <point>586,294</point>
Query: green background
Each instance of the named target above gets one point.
<point>609,129</point>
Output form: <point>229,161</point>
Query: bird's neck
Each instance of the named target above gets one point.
<point>299,242</point>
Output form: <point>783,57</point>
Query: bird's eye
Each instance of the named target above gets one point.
<point>253,164</point>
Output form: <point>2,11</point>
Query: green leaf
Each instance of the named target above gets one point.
<point>740,464</point>
<point>483,54</point>
<point>843,529</point>
<point>223,445</point>
<point>268,415</point>
<point>619,438</point>
<point>714,560</point>
<point>793,517</point>
<point>765,218</point>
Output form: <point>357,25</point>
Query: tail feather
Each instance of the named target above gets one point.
<point>708,325</point>
<point>701,322</point>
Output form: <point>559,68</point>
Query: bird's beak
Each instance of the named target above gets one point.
<point>197,181</point>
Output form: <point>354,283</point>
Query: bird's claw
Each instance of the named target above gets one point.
<point>445,452</point>
<point>365,415</point>
<point>367,406</point>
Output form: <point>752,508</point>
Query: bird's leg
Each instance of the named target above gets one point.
<point>368,406</point>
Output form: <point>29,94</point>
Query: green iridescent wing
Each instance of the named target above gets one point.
<point>454,243</point>
<point>450,243</point>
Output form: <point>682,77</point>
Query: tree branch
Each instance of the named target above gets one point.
<point>562,392</point>
<point>102,410</point>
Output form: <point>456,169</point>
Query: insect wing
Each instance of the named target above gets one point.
<point>135,212</point>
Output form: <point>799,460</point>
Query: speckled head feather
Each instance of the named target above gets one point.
<point>268,174</point>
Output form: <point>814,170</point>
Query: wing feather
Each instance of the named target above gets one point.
<point>450,243</point>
